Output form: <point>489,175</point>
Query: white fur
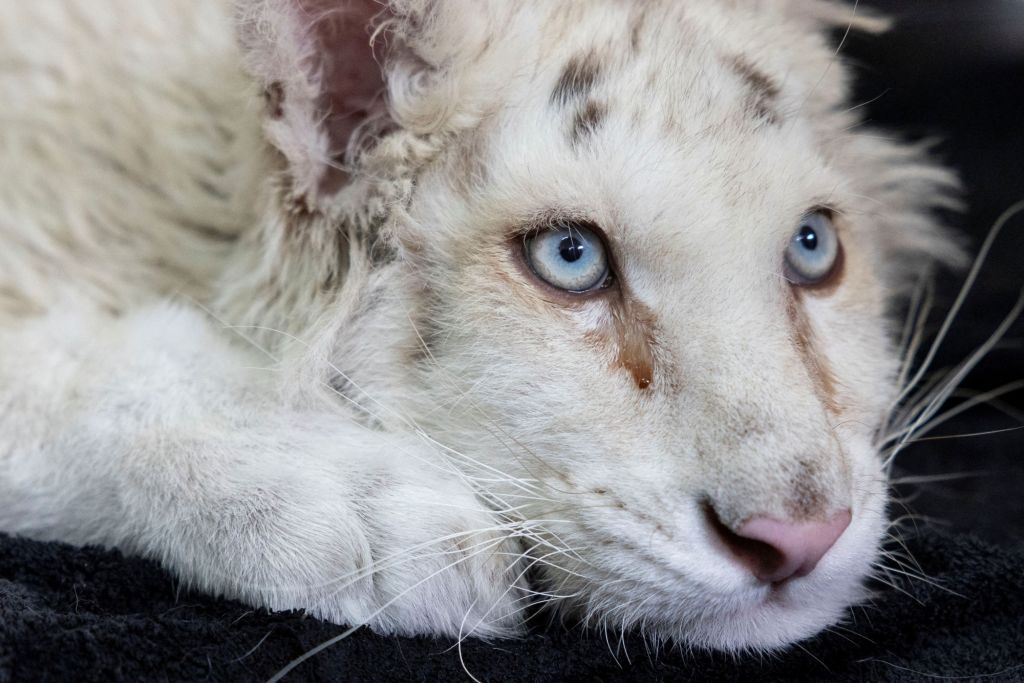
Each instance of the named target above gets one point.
<point>309,454</point>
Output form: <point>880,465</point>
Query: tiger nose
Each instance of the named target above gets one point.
<point>775,551</point>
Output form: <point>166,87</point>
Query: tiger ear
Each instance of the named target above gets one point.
<point>846,17</point>
<point>321,71</point>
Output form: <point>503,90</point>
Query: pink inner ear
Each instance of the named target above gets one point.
<point>352,82</point>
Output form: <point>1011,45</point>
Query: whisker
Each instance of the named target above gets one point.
<point>926,580</point>
<point>946,437</point>
<point>345,634</point>
<point>965,289</point>
<point>891,583</point>
<point>491,426</point>
<point>942,418</point>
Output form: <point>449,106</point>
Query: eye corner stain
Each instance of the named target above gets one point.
<point>642,372</point>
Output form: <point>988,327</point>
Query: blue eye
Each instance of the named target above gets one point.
<point>812,253</point>
<point>570,257</point>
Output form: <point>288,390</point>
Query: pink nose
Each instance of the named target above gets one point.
<point>775,551</point>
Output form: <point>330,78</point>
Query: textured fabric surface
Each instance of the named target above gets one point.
<point>92,615</point>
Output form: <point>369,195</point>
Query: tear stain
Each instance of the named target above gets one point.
<point>634,340</point>
<point>817,366</point>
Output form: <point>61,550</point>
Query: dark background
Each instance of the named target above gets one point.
<point>954,69</point>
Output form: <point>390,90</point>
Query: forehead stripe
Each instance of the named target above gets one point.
<point>587,120</point>
<point>577,80</point>
<point>764,92</point>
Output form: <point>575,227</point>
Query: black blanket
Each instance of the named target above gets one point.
<point>91,614</point>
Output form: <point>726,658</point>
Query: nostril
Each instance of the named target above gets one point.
<point>800,544</point>
<point>759,557</point>
<point>775,551</point>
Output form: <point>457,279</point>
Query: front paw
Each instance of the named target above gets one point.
<point>444,564</point>
<point>402,552</point>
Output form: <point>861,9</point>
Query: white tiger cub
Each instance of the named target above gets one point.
<point>411,313</point>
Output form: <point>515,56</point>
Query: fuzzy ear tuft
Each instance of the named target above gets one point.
<point>847,17</point>
<point>841,15</point>
<point>322,76</point>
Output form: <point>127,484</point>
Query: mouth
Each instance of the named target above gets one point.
<point>726,615</point>
<point>683,575</point>
<point>708,601</point>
